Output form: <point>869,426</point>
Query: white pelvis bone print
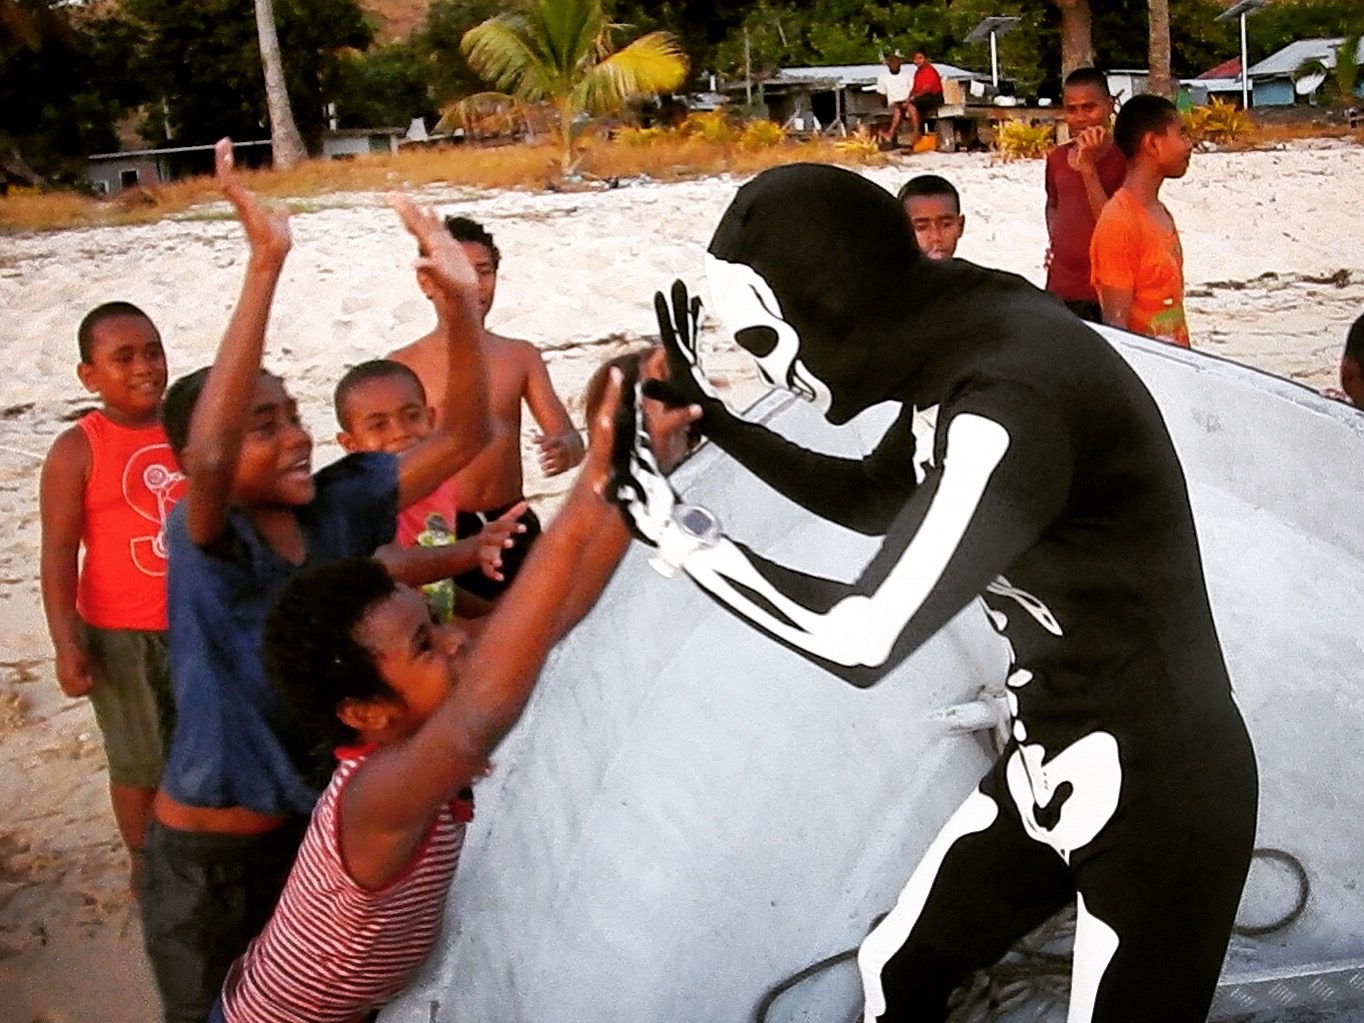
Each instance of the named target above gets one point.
<point>1064,800</point>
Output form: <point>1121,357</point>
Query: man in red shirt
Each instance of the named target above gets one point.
<point>926,95</point>
<point>1080,178</point>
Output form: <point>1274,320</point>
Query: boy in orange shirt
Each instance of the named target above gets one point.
<point>108,483</point>
<point>1136,263</point>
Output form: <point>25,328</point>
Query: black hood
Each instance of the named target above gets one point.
<point>838,253</point>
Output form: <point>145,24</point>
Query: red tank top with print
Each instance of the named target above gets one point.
<point>134,482</point>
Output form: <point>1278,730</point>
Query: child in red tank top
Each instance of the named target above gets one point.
<point>108,484</point>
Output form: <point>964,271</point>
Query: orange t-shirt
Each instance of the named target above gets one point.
<point>134,482</point>
<point>1130,251</point>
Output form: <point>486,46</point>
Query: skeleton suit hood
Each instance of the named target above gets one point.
<point>814,271</point>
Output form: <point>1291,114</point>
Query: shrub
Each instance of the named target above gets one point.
<point>761,134</point>
<point>1218,122</point>
<point>711,127</point>
<point>1019,140</point>
<point>638,136</point>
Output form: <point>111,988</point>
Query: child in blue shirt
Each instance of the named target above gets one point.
<point>234,795</point>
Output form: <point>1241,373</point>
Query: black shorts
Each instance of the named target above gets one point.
<point>469,524</point>
<point>204,897</point>
<point>1085,309</point>
<point>927,103</point>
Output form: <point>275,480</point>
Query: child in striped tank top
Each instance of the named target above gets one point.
<point>416,711</point>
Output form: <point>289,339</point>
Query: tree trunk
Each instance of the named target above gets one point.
<point>1159,23</point>
<point>1077,44</point>
<point>285,140</point>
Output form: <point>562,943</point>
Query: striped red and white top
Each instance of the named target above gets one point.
<point>333,950</point>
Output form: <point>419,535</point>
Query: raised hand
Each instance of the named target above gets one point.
<point>620,464</point>
<point>267,229</point>
<point>556,453</point>
<point>442,263</point>
<point>496,536</point>
<point>1089,144</point>
<point>678,325</point>
<point>671,432</point>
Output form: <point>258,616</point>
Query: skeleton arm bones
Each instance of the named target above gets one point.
<point>997,491</point>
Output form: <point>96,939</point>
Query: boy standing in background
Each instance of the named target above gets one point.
<point>108,483</point>
<point>492,484</point>
<point>381,406</point>
<point>1136,261</point>
<point>1081,176</point>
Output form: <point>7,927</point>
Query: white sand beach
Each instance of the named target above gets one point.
<point>1275,274</point>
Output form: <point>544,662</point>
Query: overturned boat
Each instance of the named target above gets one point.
<point>692,822</point>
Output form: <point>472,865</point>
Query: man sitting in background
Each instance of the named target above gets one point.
<point>896,83</point>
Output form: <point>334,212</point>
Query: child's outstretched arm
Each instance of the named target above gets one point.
<point>558,442</point>
<point>61,503</point>
<point>464,430</point>
<point>417,566</point>
<point>393,798</point>
<point>223,410</point>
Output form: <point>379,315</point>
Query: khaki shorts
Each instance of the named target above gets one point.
<point>132,701</point>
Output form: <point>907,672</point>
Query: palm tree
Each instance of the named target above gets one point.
<point>285,141</point>
<point>560,52</point>
<point>1338,77</point>
<point>1077,45</point>
<point>1161,83</point>
<point>1345,73</point>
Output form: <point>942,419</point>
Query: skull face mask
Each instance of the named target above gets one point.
<point>750,313</point>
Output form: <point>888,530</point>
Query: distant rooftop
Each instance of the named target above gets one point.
<point>1226,69</point>
<point>856,74</point>
<point>1292,56</point>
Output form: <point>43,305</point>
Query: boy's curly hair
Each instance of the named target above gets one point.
<point>311,655</point>
<point>462,229</point>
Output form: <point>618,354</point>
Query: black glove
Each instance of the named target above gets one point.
<point>678,329</point>
<point>637,485</point>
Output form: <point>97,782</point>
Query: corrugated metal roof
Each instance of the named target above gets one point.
<point>858,74</point>
<point>1226,69</point>
<point>1288,60</point>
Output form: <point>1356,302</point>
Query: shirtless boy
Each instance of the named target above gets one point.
<point>492,483</point>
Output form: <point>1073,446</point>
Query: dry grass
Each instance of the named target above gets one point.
<point>479,166</point>
<point>1263,136</point>
<point>517,166</point>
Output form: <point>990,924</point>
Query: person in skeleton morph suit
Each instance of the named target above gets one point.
<point>1051,489</point>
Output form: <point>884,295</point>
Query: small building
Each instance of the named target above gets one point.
<point>111,173</point>
<point>1277,81</point>
<point>1222,82</point>
<point>838,96</point>
<point>343,143</point>
<point>1124,83</point>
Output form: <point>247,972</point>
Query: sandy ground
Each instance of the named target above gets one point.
<point>1275,275</point>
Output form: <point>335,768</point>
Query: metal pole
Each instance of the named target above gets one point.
<point>748,72</point>
<point>1245,82</point>
<point>994,61</point>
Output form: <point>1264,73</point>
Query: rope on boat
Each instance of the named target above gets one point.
<point>1031,972</point>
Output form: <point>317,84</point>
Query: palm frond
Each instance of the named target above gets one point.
<point>652,63</point>
<point>485,113</point>
<point>565,32</point>
<point>500,51</point>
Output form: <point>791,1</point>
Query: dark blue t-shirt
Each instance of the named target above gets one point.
<point>227,749</point>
